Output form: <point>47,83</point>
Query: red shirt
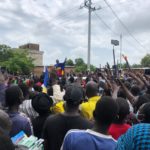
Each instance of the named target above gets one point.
<point>116,130</point>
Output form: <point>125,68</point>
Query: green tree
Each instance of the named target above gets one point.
<point>123,65</point>
<point>5,53</point>
<point>93,68</point>
<point>69,62</point>
<point>79,61</point>
<point>145,62</point>
<point>81,66</point>
<point>136,66</point>
<point>15,60</point>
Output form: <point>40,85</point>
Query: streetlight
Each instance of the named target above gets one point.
<point>114,43</point>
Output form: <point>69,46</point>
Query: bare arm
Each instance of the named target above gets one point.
<point>143,79</point>
<point>129,95</point>
<point>140,82</point>
<point>115,89</point>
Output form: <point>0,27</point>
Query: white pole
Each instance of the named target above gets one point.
<point>89,37</point>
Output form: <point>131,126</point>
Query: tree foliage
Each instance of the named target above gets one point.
<point>15,60</point>
<point>145,62</point>
<point>136,66</point>
<point>69,62</point>
<point>123,65</point>
<point>81,66</point>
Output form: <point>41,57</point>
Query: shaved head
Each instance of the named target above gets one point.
<point>91,89</point>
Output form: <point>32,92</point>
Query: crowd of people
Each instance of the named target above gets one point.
<point>85,111</point>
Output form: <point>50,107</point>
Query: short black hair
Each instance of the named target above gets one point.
<point>121,93</point>
<point>71,79</point>
<point>13,96</point>
<point>127,84</point>
<point>106,110</point>
<point>107,92</point>
<point>146,111</point>
<point>25,89</point>
<point>141,100</point>
<point>6,143</point>
<point>124,110</point>
<point>135,90</point>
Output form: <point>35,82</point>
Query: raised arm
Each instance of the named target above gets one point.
<point>140,82</point>
<point>129,95</point>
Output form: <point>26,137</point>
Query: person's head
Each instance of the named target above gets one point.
<point>25,90</point>
<point>5,123</point>
<point>30,83</point>
<point>141,100</point>
<point>13,96</point>
<point>121,93</point>
<point>124,110</point>
<point>127,84</point>
<point>107,92</point>
<point>105,111</point>
<point>42,103</point>
<point>91,89</point>
<point>144,113</point>
<point>37,88</point>
<point>6,143</point>
<point>73,96</point>
<point>135,90</point>
<point>102,84</point>
<point>71,79</point>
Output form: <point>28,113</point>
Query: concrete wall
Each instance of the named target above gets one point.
<point>37,56</point>
<point>34,52</point>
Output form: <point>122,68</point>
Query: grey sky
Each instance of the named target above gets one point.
<point>60,27</point>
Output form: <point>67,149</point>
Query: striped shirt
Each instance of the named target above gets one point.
<point>26,107</point>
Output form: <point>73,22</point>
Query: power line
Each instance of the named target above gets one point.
<point>60,16</point>
<point>65,13</point>
<point>107,26</point>
<point>115,4</point>
<point>125,27</point>
<point>69,20</point>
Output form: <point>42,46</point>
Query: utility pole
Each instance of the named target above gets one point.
<point>89,37</point>
<point>88,4</point>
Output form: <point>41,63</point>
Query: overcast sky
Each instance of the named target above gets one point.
<point>60,27</point>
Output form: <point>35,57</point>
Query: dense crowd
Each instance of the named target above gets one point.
<point>86,111</point>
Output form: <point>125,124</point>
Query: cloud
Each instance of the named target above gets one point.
<point>60,28</point>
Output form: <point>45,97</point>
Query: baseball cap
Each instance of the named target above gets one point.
<point>73,94</point>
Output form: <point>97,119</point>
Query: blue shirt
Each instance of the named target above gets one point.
<point>19,122</point>
<point>88,140</point>
<point>136,138</point>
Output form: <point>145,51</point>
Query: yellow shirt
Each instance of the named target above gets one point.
<point>87,108</point>
<point>58,107</point>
